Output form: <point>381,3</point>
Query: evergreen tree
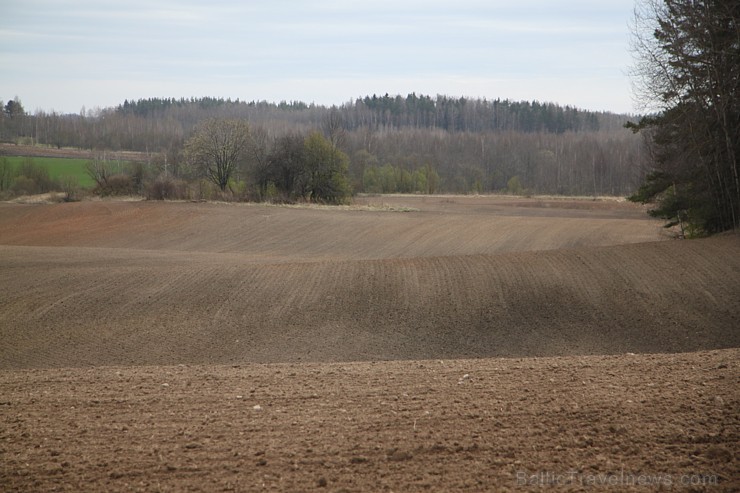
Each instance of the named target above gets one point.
<point>688,68</point>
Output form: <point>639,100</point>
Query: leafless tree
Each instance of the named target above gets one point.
<point>217,147</point>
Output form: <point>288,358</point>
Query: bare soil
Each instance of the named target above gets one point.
<point>615,423</point>
<point>68,152</point>
<point>471,344</point>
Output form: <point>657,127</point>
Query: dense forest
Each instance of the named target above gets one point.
<point>415,143</point>
<point>687,66</point>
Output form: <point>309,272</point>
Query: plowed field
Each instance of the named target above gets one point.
<point>137,338</point>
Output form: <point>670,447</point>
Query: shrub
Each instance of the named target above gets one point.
<point>514,186</point>
<point>7,174</point>
<point>272,193</point>
<point>36,174</point>
<point>205,190</point>
<point>117,185</point>
<point>165,187</point>
<point>25,186</point>
<point>70,186</point>
<point>137,172</point>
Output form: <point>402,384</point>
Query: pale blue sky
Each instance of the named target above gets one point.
<point>62,55</point>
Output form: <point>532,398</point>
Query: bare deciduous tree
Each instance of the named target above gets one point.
<point>217,147</point>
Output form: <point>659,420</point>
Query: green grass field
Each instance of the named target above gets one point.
<point>59,167</point>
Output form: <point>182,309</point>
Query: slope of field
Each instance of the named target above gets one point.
<point>198,290</point>
<point>436,227</point>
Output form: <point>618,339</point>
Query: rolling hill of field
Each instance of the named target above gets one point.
<point>372,229</point>
<point>98,283</point>
<point>179,346</point>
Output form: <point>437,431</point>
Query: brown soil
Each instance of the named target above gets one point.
<point>615,423</point>
<point>69,152</point>
<point>434,227</point>
<point>136,340</point>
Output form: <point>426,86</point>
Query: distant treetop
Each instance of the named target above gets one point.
<point>414,111</point>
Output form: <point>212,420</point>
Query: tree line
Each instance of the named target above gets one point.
<point>682,157</point>
<point>416,143</point>
<point>687,65</point>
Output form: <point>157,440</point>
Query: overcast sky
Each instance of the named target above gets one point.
<point>62,55</point>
